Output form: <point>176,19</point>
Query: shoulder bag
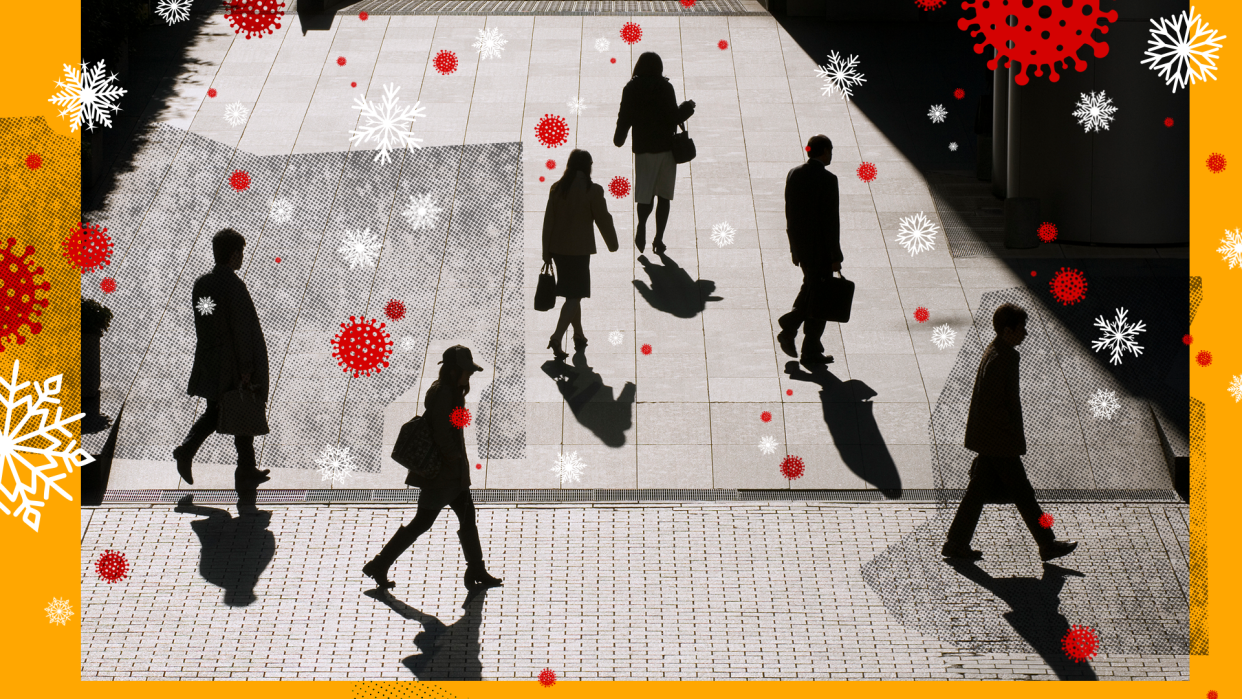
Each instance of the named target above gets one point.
<point>545,292</point>
<point>415,449</point>
<point>683,146</point>
<point>832,299</point>
<point>242,414</point>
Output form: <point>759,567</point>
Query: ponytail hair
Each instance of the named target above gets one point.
<point>579,161</point>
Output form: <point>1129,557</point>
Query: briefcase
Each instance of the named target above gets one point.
<point>832,299</point>
<point>416,450</point>
<point>545,292</point>
<point>683,146</point>
<point>242,414</point>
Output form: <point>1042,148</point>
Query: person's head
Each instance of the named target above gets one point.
<point>579,161</point>
<point>1009,322</point>
<point>227,246</point>
<point>819,147</point>
<point>457,366</point>
<point>648,64</point>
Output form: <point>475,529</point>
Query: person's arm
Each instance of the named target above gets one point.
<point>832,199</point>
<point>548,226</point>
<point>602,218</point>
<point>793,215</point>
<point>240,327</point>
<point>625,118</point>
<point>439,404</point>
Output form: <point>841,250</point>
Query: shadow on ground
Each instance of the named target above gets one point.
<point>591,401</point>
<point>447,652</point>
<point>235,551</point>
<point>672,290</point>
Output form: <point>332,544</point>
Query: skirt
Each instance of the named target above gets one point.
<point>573,276</point>
<point>655,174</point>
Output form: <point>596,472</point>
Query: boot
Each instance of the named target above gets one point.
<point>377,568</point>
<point>476,576</point>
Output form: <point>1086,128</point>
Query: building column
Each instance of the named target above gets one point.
<point>1000,128</point>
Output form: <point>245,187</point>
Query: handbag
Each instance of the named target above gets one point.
<point>242,414</point>
<point>832,299</point>
<point>545,292</point>
<point>416,450</point>
<point>683,146</point>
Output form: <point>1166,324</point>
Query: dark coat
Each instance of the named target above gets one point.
<point>813,215</point>
<point>454,475</point>
<point>569,223</point>
<point>229,340</point>
<point>994,427</point>
<point>649,105</point>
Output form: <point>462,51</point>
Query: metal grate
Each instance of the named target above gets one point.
<point>704,8</point>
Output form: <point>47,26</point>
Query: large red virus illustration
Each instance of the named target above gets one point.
<point>792,467</point>
<point>547,678</point>
<point>1046,521</point>
<point>112,566</point>
<point>18,305</point>
<point>255,17</point>
<point>1080,643</point>
<point>88,247</point>
<point>445,62</point>
<point>723,44</point>
<point>1046,33</point>
<point>395,310</point>
<point>1068,286</point>
<point>33,161</point>
<point>959,93</point>
<point>239,180</point>
<point>552,131</point>
<point>866,172</point>
<point>929,4</point>
<point>1204,358</point>
<point>460,417</point>
<point>921,314</point>
<point>1216,163</point>
<point>361,347</point>
<point>1047,232</point>
<point>765,416</point>
<point>631,33</point>
<point>619,187</point>
<point>108,285</point>
<point>1168,121</point>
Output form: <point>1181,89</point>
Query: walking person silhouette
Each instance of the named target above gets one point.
<point>230,352</point>
<point>451,486</point>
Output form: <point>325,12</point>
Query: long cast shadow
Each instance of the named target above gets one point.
<point>591,401</point>
<point>236,551</point>
<point>672,290</point>
<point>448,653</point>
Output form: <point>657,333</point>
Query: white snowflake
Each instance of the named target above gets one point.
<point>59,611</point>
<point>943,336</point>
<point>1118,335</point>
<point>1174,51</point>
<point>173,11</point>
<point>386,124</point>
<point>1231,248</point>
<point>953,146</point>
<point>840,75</point>
<point>336,464</point>
<point>1235,387</point>
<point>281,211</point>
<point>601,44</point>
<point>14,443</point>
<point>767,445</point>
<point>1103,404</point>
<point>1095,111</point>
<point>615,337</point>
<point>490,44</point>
<point>422,211</point>
<point>722,234</point>
<point>205,305</point>
<point>87,96</point>
<point>917,234</point>
<point>235,114</point>
<point>407,343</point>
<point>569,468</point>
<point>576,105</point>
<point>359,247</point>
<point>938,113</point>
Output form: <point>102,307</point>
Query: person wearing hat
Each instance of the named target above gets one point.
<point>451,486</point>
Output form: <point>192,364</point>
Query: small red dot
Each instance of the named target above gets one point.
<point>1046,521</point>
<point>614,60</point>
<point>723,44</point>
<point>551,164</point>
<point>212,92</point>
<point>959,93</point>
<point>921,314</point>
<point>541,178</point>
<point>1032,273</point>
<point>646,349</point>
<point>789,392</point>
<point>1168,121</point>
<point>108,285</point>
<point>33,161</point>
<point>1211,694</point>
<point>1187,339</point>
<point>363,16</point>
<point>807,149</point>
<point>1204,358</point>
<point>340,61</point>
<point>353,84</point>
<point>478,466</point>
<point>277,260</point>
<point>765,416</point>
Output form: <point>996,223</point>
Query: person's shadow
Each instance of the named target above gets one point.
<point>1035,614</point>
<point>839,399</point>
<point>236,551</point>
<point>672,290</point>
<point>448,653</point>
<point>592,402</point>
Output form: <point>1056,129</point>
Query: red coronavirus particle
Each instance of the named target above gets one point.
<point>551,164</point>
<point>1046,33</point>
<point>363,16</point>
<point>929,4</point>
<point>1033,273</point>
<point>88,247</point>
<point>723,44</point>
<point>395,310</point>
<point>619,187</point>
<point>460,417</point>
<point>211,92</point>
<point>765,416</point>
<point>479,466</point>
<point>340,60</point>
<point>1045,521</point>
<point>1168,121</point>
<point>445,62</point>
<point>547,678</point>
<point>646,349</point>
<point>613,60</point>
<point>361,347</point>
<point>921,314</point>
<point>1187,339</point>
<point>541,178</point>
<point>792,467</point>
<point>1204,358</point>
<point>1211,694</point>
<point>108,285</point>
<point>959,93</point>
<point>687,3</point>
<point>789,391</point>
<point>33,161</point>
<point>1047,232</point>
<point>255,17</point>
<point>1216,163</point>
<point>239,180</point>
<point>353,84</point>
<point>1068,286</point>
<point>1080,643</point>
<point>631,33</point>
<point>277,260</point>
<point>552,131</point>
<point>866,172</point>
<point>112,566</point>
<point>18,305</point>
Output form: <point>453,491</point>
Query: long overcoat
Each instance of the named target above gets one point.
<point>994,426</point>
<point>569,222</point>
<point>649,106</point>
<point>229,339</point>
<point>813,215</point>
<point>450,441</point>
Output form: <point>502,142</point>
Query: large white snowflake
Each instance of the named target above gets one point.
<point>1095,111</point>
<point>1231,248</point>
<point>722,234</point>
<point>235,114</point>
<point>490,44</point>
<point>59,611</point>
<point>840,75</point>
<point>767,445</point>
<point>953,146</point>
<point>1235,387</point>
<point>943,336</point>
<point>1177,55</point>
<point>15,444</point>
<point>359,247</point>
<point>615,337</point>
<point>601,44</point>
<point>87,96</point>
<point>1118,336</point>
<point>205,305</point>
<point>336,464</point>
<point>917,234</point>
<point>576,105</point>
<point>422,211</point>
<point>568,467</point>
<point>387,124</point>
<point>173,11</point>
<point>1103,404</point>
<point>281,211</point>
<point>938,113</point>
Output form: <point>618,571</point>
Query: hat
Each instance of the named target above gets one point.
<point>461,356</point>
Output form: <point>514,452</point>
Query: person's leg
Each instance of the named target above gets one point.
<point>471,547</point>
<point>566,317</point>
<point>201,429</point>
<point>1013,475</point>
<point>812,340</point>
<point>794,319</point>
<point>429,506</point>
<point>576,317</point>
<point>640,235</point>
<point>662,209</point>
<point>247,476</point>
<point>967,518</point>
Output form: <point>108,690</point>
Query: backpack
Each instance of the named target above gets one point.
<point>416,450</point>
